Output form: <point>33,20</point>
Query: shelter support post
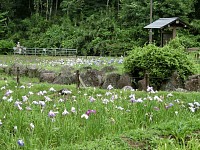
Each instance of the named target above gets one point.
<point>161,37</point>
<point>150,36</point>
<point>174,32</point>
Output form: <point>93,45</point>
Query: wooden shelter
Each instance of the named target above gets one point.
<point>167,27</point>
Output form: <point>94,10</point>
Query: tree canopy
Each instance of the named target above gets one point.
<point>93,27</point>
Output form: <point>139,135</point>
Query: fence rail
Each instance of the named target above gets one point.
<point>193,49</point>
<point>45,51</point>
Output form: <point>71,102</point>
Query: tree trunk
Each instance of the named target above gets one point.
<point>47,9</point>
<point>36,5</point>
<point>50,9</point>
<point>41,7</point>
<point>29,6</point>
<point>107,3</point>
<point>56,7</point>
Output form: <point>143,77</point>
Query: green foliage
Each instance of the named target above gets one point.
<point>100,27</point>
<point>6,46</point>
<point>190,40</point>
<point>52,37</point>
<point>2,22</point>
<point>28,31</point>
<point>73,9</point>
<point>173,8</point>
<point>134,13</point>
<point>160,63</point>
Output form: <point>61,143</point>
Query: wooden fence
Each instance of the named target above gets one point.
<point>45,51</point>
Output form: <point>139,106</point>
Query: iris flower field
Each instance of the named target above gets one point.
<point>43,116</point>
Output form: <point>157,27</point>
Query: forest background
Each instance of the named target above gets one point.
<point>93,27</point>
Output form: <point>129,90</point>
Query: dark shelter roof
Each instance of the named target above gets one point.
<point>165,22</point>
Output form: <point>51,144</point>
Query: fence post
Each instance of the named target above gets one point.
<point>18,73</point>
<point>76,53</point>
<point>146,80</point>
<point>77,79</point>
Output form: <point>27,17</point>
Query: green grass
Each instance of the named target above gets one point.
<point>118,124</point>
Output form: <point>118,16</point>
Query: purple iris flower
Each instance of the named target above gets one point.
<point>51,114</point>
<point>88,112</point>
<point>92,99</point>
<point>8,92</point>
<point>169,105</point>
<point>133,100</point>
<point>20,142</point>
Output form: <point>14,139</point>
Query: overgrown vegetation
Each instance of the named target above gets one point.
<point>160,63</point>
<point>106,27</point>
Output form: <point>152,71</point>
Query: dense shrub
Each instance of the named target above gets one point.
<point>189,40</point>
<point>160,63</point>
<point>6,46</point>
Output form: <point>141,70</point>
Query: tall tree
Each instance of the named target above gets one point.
<point>173,8</point>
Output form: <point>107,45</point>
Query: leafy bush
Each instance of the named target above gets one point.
<point>160,63</point>
<point>6,46</point>
<point>188,40</point>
